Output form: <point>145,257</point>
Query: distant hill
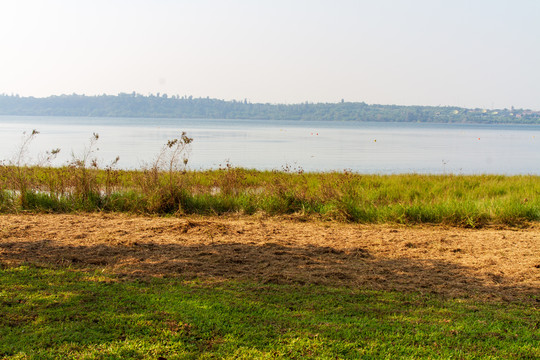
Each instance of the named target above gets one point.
<point>156,106</point>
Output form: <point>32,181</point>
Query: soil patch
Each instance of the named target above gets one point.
<point>499,264</point>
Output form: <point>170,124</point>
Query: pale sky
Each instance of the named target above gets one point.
<point>470,53</point>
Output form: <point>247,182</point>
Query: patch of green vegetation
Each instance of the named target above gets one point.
<point>465,200</point>
<point>48,313</point>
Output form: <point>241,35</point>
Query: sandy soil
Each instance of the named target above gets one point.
<point>499,264</point>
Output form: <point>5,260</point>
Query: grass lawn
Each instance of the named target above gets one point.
<point>53,312</point>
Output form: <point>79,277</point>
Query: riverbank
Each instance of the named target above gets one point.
<point>457,200</point>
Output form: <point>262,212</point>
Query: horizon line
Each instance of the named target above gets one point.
<point>247,101</point>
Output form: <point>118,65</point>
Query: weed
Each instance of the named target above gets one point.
<point>85,185</point>
<point>21,177</point>
<point>167,186</point>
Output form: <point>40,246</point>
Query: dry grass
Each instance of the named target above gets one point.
<point>491,263</point>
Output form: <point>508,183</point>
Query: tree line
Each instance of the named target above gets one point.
<point>162,105</point>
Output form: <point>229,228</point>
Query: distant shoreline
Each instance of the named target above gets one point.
<point>163,106</point>
<point>502,124</point>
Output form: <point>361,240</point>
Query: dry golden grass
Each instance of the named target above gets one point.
<point>491,263</point>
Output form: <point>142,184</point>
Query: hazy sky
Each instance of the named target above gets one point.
<point>472,53</point>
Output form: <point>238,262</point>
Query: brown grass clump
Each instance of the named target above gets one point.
<point>500,264</point>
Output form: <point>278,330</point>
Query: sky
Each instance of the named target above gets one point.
<point>469,53</point>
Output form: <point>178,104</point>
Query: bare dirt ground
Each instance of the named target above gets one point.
<point>498,264</point>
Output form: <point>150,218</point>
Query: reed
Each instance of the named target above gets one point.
<point>470,201</point>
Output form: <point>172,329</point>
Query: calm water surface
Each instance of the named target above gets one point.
<point>383,148</point>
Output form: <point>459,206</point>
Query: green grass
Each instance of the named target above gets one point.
<point>51,313</point>
<point>469,201</point>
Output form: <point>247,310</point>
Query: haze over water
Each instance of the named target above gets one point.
<point>381,148</point>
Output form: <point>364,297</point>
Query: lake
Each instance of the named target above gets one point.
<point>364,147</point>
